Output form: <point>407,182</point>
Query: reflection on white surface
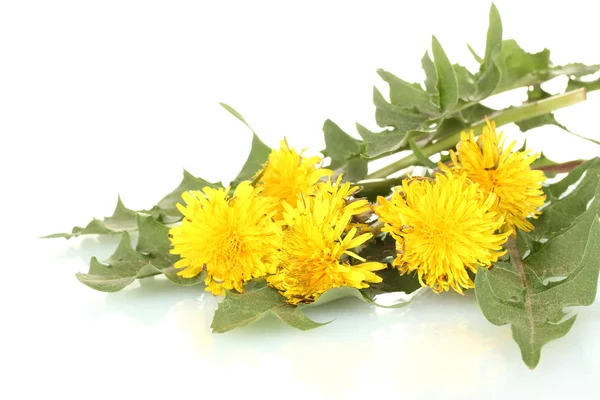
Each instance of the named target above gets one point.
<point>155,332</point>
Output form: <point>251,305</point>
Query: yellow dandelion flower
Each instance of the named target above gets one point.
<point>287,174</point>
<point>443,228</point>
<point>316,247</point>
<point>501,171</point>
<point>232,238</point>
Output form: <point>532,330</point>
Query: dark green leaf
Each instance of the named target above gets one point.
<point>560,267</point>
<point>564,209</point>
<point>447,84</point>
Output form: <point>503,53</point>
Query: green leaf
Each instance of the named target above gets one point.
<point>236,114</point>
<point>431,77</point>
<point>489,74</point>
<point>475,55</point>
<point>120,270</point>
<point>339,145</point>
<point>380,143</point>
<point>520,67</point>
<point>354,169</point>
<point>344,151</point>
<point>259,152</point>
<point>564,209</point>
<point>447,84</point>
<point>122,220</point>
<point>237,310</point>
<point>559,271</point>
<point>588,85</point>
<point>467,85</point>
<point>423,159</point>
<point>403,119</point>
<point>166,207</point>
<point>408,95</point>
<point>150,257</point>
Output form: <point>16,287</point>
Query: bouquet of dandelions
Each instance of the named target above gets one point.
<point>288,233</point>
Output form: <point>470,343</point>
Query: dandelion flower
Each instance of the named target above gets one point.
<point>287,174</point>
<point>317,247</point>
<point>443,228</point>
<point>501,171</point>
<point>232,238</point>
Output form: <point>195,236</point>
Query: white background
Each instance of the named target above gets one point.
<point>106,97</point>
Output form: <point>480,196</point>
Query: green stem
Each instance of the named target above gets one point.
<point>502,117</point>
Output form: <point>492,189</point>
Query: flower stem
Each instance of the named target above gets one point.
<point>503,117</point>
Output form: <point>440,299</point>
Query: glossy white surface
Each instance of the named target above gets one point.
<point>118,96</point>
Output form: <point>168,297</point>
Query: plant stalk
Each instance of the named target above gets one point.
<point>503,117</point>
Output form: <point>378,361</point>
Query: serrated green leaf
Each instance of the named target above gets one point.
<point>344,151</point>
<point>167,206</point>
<point>122,219</point>
<point>339,145</point>
<point>380,143</point>
<point>408,95</point>
<point>431,77</point>
<point>564,209</point>
<point>561,272</point>
<point>403,119</point>
<point>489,74</point>
<point>259,152</point>
<point>467,85</point>
<point>423,159</point>
<point>447,84</point>
<point>120,270</point>
<point>578,83</point>
<point>150,257</point>
<point>238,310</point>
<point>520,67</point>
